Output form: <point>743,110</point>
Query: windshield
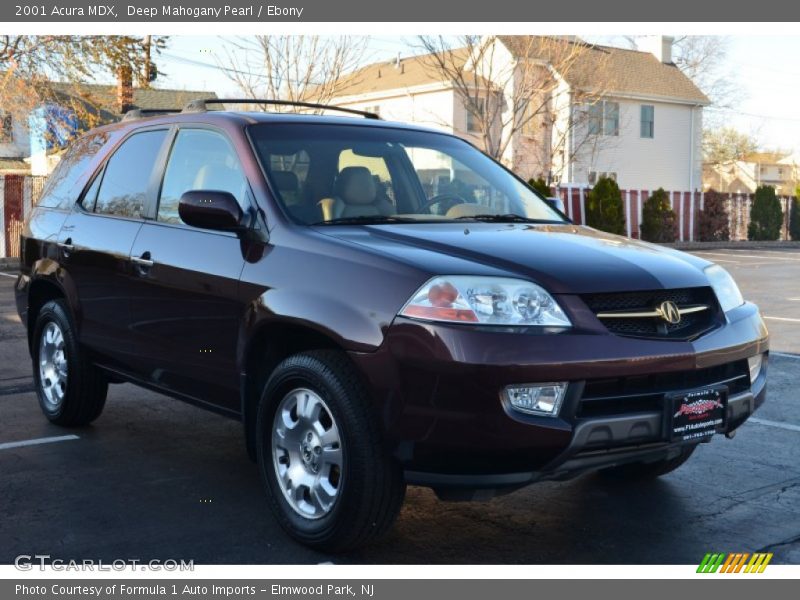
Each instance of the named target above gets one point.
<point>327,174</point>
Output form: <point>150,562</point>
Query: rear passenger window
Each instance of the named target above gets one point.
<point>200,160</point>
<point>60,191</point>
<point>124,187</point>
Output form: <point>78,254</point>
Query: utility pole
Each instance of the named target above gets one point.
<point>145,80</point>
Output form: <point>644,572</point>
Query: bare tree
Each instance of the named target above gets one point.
<point>525,96</point>
<point>297,68</point>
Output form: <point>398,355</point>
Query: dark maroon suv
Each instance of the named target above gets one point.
<point>379,305</point>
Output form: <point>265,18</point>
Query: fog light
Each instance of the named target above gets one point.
<point>543,399</point>
<point>755,362</point>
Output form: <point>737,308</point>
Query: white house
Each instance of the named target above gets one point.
<point>628,114</point>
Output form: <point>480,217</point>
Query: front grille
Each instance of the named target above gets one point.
<point>691,325</point>
<point>645,393</point>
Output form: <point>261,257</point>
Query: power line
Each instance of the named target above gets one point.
<point>754,115</point>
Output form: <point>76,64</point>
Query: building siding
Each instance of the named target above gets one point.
<point>671,159</point>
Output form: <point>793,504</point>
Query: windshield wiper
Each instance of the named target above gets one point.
<point>503,218</point>
<point>366,220</point>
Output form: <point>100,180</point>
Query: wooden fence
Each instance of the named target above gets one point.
<point>687,207</point>
<point>18,193</point>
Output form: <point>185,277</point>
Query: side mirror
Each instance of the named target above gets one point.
<point>556,203</point>
<point>209,209</point>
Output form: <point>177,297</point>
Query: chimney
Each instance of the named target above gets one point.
<point>124,89</point>
<point>660,46</point>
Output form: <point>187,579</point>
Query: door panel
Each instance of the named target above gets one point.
<point>185,311</point>
<point>94,251</point>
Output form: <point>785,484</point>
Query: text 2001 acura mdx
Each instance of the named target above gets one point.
<point>379,304</point>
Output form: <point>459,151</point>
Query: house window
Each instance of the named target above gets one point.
<point>604,118</point>
<point>648,128</point>
<point>473,119</point>
<point>6,128</point>
<point>528,118</point>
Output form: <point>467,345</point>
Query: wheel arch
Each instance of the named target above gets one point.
<point>269,344</point>
<point>41,291</point>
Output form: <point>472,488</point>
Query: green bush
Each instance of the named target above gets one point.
<point>712,225</point>
<point>766,216</point>
<point>540,185</point>
<point>794,217</point>
<point>604,209</point>
<point>659,222</point>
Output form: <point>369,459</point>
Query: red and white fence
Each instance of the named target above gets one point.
<point>18,193</point>
<point>687,207</point>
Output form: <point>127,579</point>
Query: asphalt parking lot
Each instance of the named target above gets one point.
<point>156,479</point>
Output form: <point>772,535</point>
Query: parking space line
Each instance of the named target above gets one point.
<point>783,319</point>
<point>778,424</point>
<point>38,441</point>
<point>8,275</point>
<point>784,355</point>
<point>738,255</point>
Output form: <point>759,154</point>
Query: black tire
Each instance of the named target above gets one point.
<point>644,471</point>
<point>372,485</point>
<point>84,394</point>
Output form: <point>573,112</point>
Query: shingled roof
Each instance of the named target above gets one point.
<point>105,96</point>
<point>592,68</point>
<point>612,71</point>
<point>400,74</point>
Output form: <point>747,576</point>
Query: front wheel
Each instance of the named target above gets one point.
<point>330,482</point>
<point>641,471</point>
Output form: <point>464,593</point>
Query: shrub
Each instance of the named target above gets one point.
<point>659,222</point>
<point>540,185</point>
<point>604,209</point>
<point>713,220</point>
<point>794,217</point>
<point>766,216</point>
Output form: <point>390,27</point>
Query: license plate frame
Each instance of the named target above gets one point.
<point>697,414</point>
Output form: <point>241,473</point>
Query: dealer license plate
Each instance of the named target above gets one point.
<point>697,414</point>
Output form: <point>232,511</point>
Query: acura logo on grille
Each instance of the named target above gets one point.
<point>669,311</point>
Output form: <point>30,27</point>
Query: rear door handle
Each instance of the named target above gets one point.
<point>66,246</point>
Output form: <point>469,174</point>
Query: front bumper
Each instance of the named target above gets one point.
<point>437,390</point>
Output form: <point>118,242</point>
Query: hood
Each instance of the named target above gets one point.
<point>565,259</point>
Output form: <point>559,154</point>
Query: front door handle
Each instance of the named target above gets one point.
<point>66,246</point>
<point>143,262</point>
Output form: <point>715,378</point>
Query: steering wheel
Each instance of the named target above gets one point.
<point>448,200</point>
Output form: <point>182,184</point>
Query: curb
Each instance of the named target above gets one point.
<point>735,245</point>
<point>9,264</point>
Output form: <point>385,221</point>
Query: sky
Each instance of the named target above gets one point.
<point>765,69</point>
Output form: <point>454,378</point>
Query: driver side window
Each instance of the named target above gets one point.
<point>200,160</point>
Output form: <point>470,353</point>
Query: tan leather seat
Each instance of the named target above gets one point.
<point>356,195</point>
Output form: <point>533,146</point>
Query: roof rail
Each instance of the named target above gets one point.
<point>141,113</point>
<point>200,105</point>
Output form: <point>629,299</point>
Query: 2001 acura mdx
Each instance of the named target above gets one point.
<point>380,305</point>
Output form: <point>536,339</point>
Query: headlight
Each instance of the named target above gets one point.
<point>725,287</point>
<point>485,301</point>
